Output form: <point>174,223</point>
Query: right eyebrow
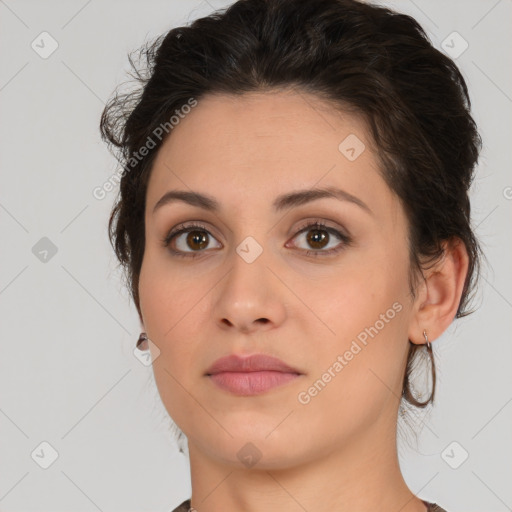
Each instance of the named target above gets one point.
<point>192,198</point>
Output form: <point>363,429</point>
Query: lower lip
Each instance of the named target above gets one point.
<point>251,383</point>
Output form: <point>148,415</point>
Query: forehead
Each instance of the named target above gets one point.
<point>265,123</point>
<point>266,143</point>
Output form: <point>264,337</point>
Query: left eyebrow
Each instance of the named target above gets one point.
<point>282,202</point>
<point>300,197</point>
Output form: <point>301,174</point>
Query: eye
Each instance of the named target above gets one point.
<point>192,239</point>
<point>197,239</point>
<point>319,236</point>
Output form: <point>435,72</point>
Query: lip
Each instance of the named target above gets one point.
<point>252,375</point>
<point>253,363</point>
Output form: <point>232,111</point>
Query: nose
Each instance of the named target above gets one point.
<point>250,298</point>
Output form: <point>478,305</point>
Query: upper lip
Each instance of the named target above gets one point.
<point>253,363</point>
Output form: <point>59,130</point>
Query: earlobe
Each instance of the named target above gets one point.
<point>443,284</point>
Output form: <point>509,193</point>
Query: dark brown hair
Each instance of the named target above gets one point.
<point>359,56</point>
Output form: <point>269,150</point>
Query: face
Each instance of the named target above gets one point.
<point>319,282</point>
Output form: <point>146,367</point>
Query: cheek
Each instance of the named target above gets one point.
<point>356,373</point>
<point>357,293</point>
<point>176,310</point>
<point>167,305</point>
<point>366,306</point>
<point>164,292</point>
<point>164,305</point>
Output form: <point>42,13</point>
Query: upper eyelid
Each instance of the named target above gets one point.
<point>318,225</point>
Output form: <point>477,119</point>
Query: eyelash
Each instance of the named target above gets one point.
<point>185,228</point>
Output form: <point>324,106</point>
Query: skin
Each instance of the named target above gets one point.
<point>337,452</point>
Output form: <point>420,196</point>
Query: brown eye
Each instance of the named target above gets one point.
<point>317,238</point>
<point>197,239</point>
<point>189,240</point>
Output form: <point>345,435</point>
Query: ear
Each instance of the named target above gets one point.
<point>439,294</point>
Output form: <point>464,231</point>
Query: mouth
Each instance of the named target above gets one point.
<point>251,383</point>
<point>253,375</point>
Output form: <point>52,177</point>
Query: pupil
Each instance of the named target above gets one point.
<point>316,240</point>
<point>197,237</point>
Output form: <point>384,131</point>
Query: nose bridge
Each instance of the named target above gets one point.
<point>249,274</point>
<point>250,241</point>
<point>249,295</point>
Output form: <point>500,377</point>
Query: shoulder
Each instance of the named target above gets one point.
<point>185,506</point>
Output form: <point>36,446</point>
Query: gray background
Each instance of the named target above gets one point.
<point>68,375</point>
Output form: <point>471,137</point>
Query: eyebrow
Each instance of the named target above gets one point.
<point>283,202</point>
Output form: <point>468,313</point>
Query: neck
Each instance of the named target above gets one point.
<point>363,474</point>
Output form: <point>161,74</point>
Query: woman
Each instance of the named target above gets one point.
<point>294,222</point>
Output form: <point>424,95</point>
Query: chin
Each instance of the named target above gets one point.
<point>255,450</point>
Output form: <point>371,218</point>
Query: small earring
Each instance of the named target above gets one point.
<point>429,346</point>
<point>142,342</point>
